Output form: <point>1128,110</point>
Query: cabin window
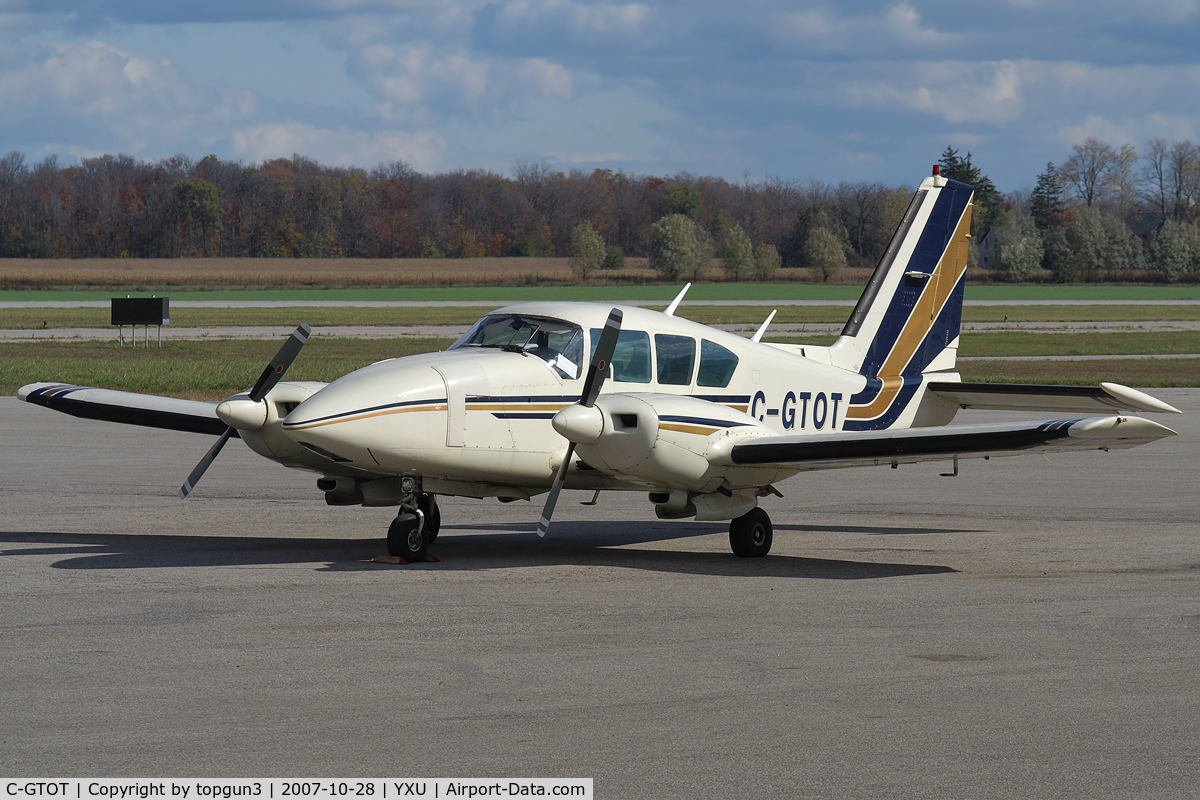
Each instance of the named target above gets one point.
<point>716,365</point>
<point>631,356</point>
<point>676,357</point>
<point>558,343</point>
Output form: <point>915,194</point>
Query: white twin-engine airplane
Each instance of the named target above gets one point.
<point>539,396</point>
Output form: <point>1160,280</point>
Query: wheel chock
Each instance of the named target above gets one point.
<point>398,561</point>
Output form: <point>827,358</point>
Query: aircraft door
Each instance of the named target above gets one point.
<point>463,378</point>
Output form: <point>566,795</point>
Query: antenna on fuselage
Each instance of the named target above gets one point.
<point>758,334</point>
<point>670,312</point>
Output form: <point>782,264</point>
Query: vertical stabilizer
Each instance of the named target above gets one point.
<point>906,323</point>
<point>907,320</point>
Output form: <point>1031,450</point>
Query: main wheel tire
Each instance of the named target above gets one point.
<point>433,515</point>
<point>407,538</point>
<point>750,535</point>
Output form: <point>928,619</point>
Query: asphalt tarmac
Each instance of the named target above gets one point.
<point>1030,628</point>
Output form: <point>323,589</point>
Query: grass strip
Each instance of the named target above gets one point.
<point>1035,343</point>
<point>1137,372</point>
<point>68,318</point>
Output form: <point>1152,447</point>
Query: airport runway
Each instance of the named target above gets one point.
<point>1028,629</point>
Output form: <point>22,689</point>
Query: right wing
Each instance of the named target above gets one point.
<point>129,408</point>
<point>1105,398</point>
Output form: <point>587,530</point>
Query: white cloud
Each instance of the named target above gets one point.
<point>549,80</point>
<point>569,26</point>
<point>416,84</point>
<point>585,158</point>
<point>897,31</point>
<point>108,88</point>
<point>956,92</point>
<point>341,147</point>
<point>784,87</point>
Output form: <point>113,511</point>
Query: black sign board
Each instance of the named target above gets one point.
<point>141,311</point>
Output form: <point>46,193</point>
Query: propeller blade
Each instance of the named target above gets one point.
<point>552,498</point>
<point>601,358</point>
<point>591,390</point>
<point>192,479</point>
<point>266,382</point>
<point>283,359</point>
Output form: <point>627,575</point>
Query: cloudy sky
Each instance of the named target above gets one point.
<point>793,89</point>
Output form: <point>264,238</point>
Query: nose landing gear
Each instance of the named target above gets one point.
<point>414,529</point>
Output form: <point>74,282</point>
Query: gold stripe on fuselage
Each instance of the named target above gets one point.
<point>699,430</point>
<point>366,415</point>
<point>513,407</point>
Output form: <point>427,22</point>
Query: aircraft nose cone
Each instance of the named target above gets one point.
<point>374,411</point>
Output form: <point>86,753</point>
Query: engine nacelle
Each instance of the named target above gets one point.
<point>664,440</point>
<point>266,438</point>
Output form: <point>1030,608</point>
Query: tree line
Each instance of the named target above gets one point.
<point>1105,214</point>
<point>1097,217</point>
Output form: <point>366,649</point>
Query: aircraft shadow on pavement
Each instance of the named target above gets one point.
<point>458,548</point>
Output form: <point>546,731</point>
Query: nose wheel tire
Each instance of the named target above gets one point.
<point>407,538</point>
<point>750,535</point>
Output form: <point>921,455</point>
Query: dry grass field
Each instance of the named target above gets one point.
<point>270,273</point>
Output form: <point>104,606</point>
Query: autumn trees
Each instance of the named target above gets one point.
<point>1104,214</point>
<point>121,207</point>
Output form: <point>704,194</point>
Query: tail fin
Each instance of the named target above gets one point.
<point>907,320</point>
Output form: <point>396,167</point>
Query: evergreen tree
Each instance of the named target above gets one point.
<point>1046,202</point>
<point>988,201</point>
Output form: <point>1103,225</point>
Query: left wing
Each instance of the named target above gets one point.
<point>129,408</point>
<point>912,445</point>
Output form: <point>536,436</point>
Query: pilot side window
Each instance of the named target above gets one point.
<point>716,365</point>
<point>631,357</point>
<point>676,357</point>
<point>558,343</point>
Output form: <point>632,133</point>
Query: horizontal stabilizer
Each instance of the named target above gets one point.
<point>1105,398</point>
<point>128,408</point>
<point>854,449</point>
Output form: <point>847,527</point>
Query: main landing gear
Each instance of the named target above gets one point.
<point>414,529</point>
<point>750,535</point>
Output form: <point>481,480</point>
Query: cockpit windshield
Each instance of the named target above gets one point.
<point>558,343</point>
